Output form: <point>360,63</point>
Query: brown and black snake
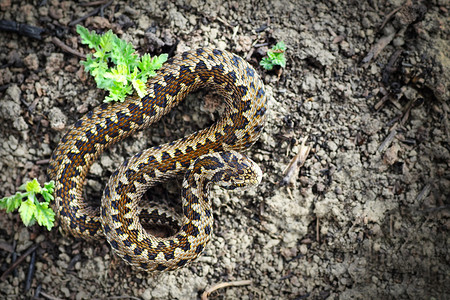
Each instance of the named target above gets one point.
<point>204,157</point>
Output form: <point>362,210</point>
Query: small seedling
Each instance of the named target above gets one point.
<point>30,209</point>
<point>275,57</point>
<point>115,65</point>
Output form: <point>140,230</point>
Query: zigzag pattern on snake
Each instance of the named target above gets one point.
<point>213,150</point>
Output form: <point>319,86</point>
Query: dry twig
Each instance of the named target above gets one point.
<point>387,141</point>
<point>296,163</point>
<point>45,295</point>
<point>378,47</point>
<point>221,285</point>
<point>90,14</point>
<point>66,48</point>
<point>18,261</point>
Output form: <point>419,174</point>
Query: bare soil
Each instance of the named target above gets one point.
<point>365,217</point>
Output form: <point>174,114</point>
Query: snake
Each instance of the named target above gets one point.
<point>208,156</point>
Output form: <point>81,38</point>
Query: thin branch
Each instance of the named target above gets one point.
<point>66,48</point>
<point>18,261</point>
<point>90,14</point>
<point>45,295</point>
<point>296,163</point>
<point>208,291</point>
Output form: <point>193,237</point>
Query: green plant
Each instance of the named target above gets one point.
<point>128,70</point>
<point>275,57</point>
<point>30,209</point>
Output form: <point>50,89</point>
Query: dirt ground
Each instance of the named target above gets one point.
<point>365,217</point>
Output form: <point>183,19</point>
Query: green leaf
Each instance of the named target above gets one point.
<point>275,56</point>
<point>4,202</point>
<point>49,186</point>
<point>115,65</point>
<point>11,203</point>
<point>118,74</point>
<point>47,191</point>
<point>118,92</point>
<point>123,53</point>
<point>31,207</point>
<point>88,38</point>
<point>139,87</point>
<point>33,186</point>
<point>106,41</point>
<point>279,60</point>
<point>27,211</point>
<point>266,63</point>
<point>45,215</point>
<point>271,55</point>
<point>89,63</point>
<point>47,195</point>
<point>280,46</point>
<point>158,61</point>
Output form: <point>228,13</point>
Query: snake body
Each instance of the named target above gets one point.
<point>207,156</point>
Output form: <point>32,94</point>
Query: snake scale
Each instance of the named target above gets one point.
<point>206,156</point>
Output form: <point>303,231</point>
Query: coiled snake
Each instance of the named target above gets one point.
<point>205,156</point>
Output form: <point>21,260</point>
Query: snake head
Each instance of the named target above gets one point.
<point>238,172</point>
<point>228,169</point>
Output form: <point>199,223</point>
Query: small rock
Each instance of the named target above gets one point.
<point>14,92</point>
<point>159,292</point>
<point>398,42</point>
<point>147,294</point>
<point>106,162</point>
<point>13,143</point>
<point>23,239</point>
<point>153,41</point>
<point>288,253</point>
<point>98,22</point>
<point>332,146</point>
<point>6,76</point>
<point>96,169</point>
<point>177,19</point>
<point>57,118</point>
<point>65,291</point>
<point>54,63</point>
<point>9,109</point>
<point>131,12</point>
<point>82,295</point>
<point>222,45</point>
<point>31,62</point>
<point>55,13</point>
<point>309,83</point>
<point>391,155</point>
<point>43,11</point>
<point>303,249</point>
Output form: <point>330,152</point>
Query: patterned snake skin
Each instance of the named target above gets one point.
<point>207,156</point>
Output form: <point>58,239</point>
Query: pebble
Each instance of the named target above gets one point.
<point>23,239</point>
<point>54,63</point>
<point>398,42</point>
<point>31,61</point>
<point>332,146</point>
<point>177,19</point>
<point>106,162</point>
<point>96,169</point>
<point>82,295</point>
<point>65,291</point>
<point>12,143</point>
<point>14,92</point>
<point>57,118</point>
<point>391,155</point>
<point>303,249</point>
